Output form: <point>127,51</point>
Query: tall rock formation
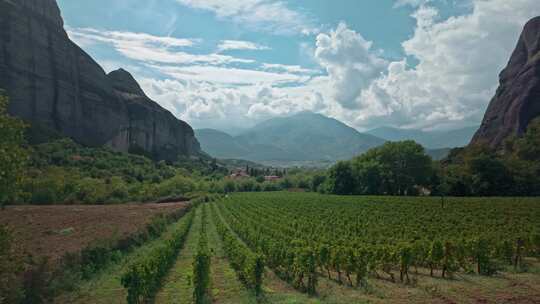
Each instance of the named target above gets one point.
<point>54,84</point>
<point>517,100</point>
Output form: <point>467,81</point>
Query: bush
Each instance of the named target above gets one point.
<point>11,267</point>
<point>143,277</point>
<point>13,157</point>
<point>92,190</point>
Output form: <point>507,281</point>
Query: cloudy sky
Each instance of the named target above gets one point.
<point>228,64</point>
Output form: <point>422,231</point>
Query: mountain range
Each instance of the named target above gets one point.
<point>305,136</point>
<point>428,139</point>
<point>311,137</point>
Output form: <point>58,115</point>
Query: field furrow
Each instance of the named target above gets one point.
<point>226,288</point>
<point>177,287</point>
<point>275,290</point>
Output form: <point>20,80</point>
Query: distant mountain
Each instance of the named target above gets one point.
<point>305,136</point>
<point>438,154</point>
<point>428,139</point>
<point>220,144</point>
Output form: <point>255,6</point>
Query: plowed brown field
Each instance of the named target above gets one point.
<point>52,231</point>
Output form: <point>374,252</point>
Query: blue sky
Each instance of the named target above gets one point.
<point>230,64</point>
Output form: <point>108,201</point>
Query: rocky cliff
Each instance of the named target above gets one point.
<point>54,84</point>
<point>517,100</point>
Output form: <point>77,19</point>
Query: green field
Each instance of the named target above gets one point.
<point>339,249</point>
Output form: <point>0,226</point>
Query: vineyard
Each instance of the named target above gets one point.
<point>310,248</point>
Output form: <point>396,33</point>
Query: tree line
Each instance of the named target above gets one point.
<point>404,168</point>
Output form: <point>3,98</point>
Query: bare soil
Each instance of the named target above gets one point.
<point>53,231</point>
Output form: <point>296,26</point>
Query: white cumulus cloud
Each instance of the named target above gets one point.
<point>459,62</point>
<point>349,61</point>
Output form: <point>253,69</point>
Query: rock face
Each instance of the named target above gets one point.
<point>517,100</point>
<point>54,84</point>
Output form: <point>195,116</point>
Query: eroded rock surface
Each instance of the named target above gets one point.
<point>517,100</point>
<point>54,84</point>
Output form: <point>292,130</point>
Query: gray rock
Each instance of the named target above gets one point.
<point>517,100</point>
<point>54,84</point>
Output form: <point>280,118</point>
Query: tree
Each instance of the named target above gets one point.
<point>13,156</point>
<point>341,179</point>
<point>528,147</point>
<point>524,161</point>
<point>229,186</point>
<point>405,165</point>
<point>316,181</point>
<point>394,168</point>
<point>489,175</point>
<point>369,175</point>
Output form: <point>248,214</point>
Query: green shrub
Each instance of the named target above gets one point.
<point>11,266</point>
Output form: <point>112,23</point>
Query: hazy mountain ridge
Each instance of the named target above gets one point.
<point>429,139</point>
<point>305,136</point>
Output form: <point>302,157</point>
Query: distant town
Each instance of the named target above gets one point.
<point>267,174</point>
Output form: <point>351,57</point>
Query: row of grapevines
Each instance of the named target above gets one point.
<point>293,260</point>
<point>201,264</point>
<point>295,231</point>
<point>248,265</point>
<point>389,220</point>
<point>143,277</point>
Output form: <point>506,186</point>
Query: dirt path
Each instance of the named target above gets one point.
<point>177,287</point>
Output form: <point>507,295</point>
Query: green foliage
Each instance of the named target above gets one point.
<point>316,181</point>
<point>482,171</point>
<point>406,259</point>
<point>374,235</point>
<point>248,266</point>
<point>395,168</point>
<point>13,156</point>
<point>482,254</point>
<point>340,179</point>
<point>436,254</point>
<point>230,186</point>
<point>201,264</point>
<point>528,147</point>
<point>143,276</point>
<point>63,172</point>
<point>11,267</point>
